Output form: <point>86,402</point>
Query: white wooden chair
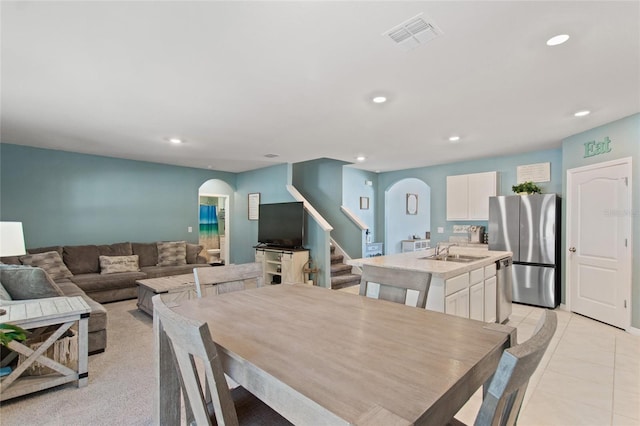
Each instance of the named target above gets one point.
<point>503,398</point>
<point>229,278</point>
<point>406,287</point>
<point>191,344</point>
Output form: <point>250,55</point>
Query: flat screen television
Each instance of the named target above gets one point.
<point>281,224</point>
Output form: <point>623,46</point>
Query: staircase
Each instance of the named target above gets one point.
<point>341,274</point>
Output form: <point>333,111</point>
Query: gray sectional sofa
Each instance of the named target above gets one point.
<point>108,273</point>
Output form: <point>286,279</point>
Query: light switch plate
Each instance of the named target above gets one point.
<point>440,230</point>
<point>190,229</point>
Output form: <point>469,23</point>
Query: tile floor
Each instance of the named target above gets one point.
<point>590,374</point>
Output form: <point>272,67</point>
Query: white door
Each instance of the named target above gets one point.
<point>599,241</point>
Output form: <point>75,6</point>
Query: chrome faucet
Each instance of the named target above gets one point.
<point>440,248</point>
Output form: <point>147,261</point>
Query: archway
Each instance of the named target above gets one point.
<point>407,212</point>
<point>214,220</point>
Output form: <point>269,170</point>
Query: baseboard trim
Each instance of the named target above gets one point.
<point>633,330</point>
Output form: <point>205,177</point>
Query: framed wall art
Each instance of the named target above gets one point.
<point>412,204</point>
<point>254,205</point>
<point>364,203</point>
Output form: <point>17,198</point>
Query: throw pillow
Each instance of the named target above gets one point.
<point>172,253</point>
<point>114,264</point>
<point>23,282</point>
<point>3,293</point>
<point>50,261</point>
<point>193,250</point>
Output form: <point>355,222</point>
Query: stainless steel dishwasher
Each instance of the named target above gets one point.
<point>504,289</point>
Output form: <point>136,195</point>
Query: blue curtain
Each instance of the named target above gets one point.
<point>208,225</point>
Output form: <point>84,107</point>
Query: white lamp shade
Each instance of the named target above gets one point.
<point>11,239</point>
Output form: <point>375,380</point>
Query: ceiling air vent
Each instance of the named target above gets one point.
<point>413,32</point>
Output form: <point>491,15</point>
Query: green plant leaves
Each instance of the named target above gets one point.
<point>9,332</point>
<point>528,187</point>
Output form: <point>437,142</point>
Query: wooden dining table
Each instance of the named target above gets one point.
<point>320,356</point>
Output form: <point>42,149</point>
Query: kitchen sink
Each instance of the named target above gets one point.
<point>459,258</point>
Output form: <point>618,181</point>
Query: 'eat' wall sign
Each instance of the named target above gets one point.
<point>596,148</point>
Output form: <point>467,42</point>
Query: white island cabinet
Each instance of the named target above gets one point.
<point>463,289</point>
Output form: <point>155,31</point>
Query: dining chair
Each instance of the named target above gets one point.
<point>400,286</point>
<point>212,403</point>
<point>229,278</point>
<point>503,398</point>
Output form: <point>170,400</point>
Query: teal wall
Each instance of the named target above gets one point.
<point>354,187</point>
<point>68,198</point>
<point>625,142</point>
<point>435,177</point>
<point>400,225</point>
<point>271,183</point>
<point>320,182</point>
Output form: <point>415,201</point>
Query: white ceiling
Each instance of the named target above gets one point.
<point>238,80</point>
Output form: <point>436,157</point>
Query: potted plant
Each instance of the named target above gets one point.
<point>526,188</point>
<point>10,332</point>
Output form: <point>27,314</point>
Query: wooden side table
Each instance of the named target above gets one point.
<point>34,315</point>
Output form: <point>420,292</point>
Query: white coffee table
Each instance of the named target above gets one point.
<point>179,287</point>
<point>34,315</point>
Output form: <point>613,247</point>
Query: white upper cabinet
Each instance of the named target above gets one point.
<point>468,195</point>
<point>457,197</point>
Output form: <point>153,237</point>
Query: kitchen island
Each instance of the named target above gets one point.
<point>463,285</point>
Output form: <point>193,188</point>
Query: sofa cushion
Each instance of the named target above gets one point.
<point>81,259</point>
<point>193,250</point>
<point>172,253</point>
<point>165,271</point>
<point>98,317</point>
<point>114,264</point>
<point>117,249</point>
<point>97,282</point>
<point>10,260</point>
<point>45,250</point>
<point>147,253</point>
<point>50,261</point>
<point>25,282</point>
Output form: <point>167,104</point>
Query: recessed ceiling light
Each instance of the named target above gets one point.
<point>175,140</point>
<point>454,138</point>
<point>582,113</point>
<point>361,158</point>
<point>379,99</point>
<point>556,40</point>
<point>272,155</point>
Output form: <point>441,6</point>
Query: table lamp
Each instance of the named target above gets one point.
<point>11,239</point>
<point>11,242</point>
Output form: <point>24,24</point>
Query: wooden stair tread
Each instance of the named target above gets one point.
<point>340,269</point>
<point>347,280</point>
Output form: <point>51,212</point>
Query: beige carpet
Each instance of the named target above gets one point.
<point>120,390</point>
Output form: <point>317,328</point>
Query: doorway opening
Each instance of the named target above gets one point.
<point>212,229</point>
<point>407,213</point>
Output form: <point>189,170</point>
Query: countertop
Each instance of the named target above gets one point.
<point>414,261</point>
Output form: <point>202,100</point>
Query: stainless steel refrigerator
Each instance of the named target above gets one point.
<point>529,226</point>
